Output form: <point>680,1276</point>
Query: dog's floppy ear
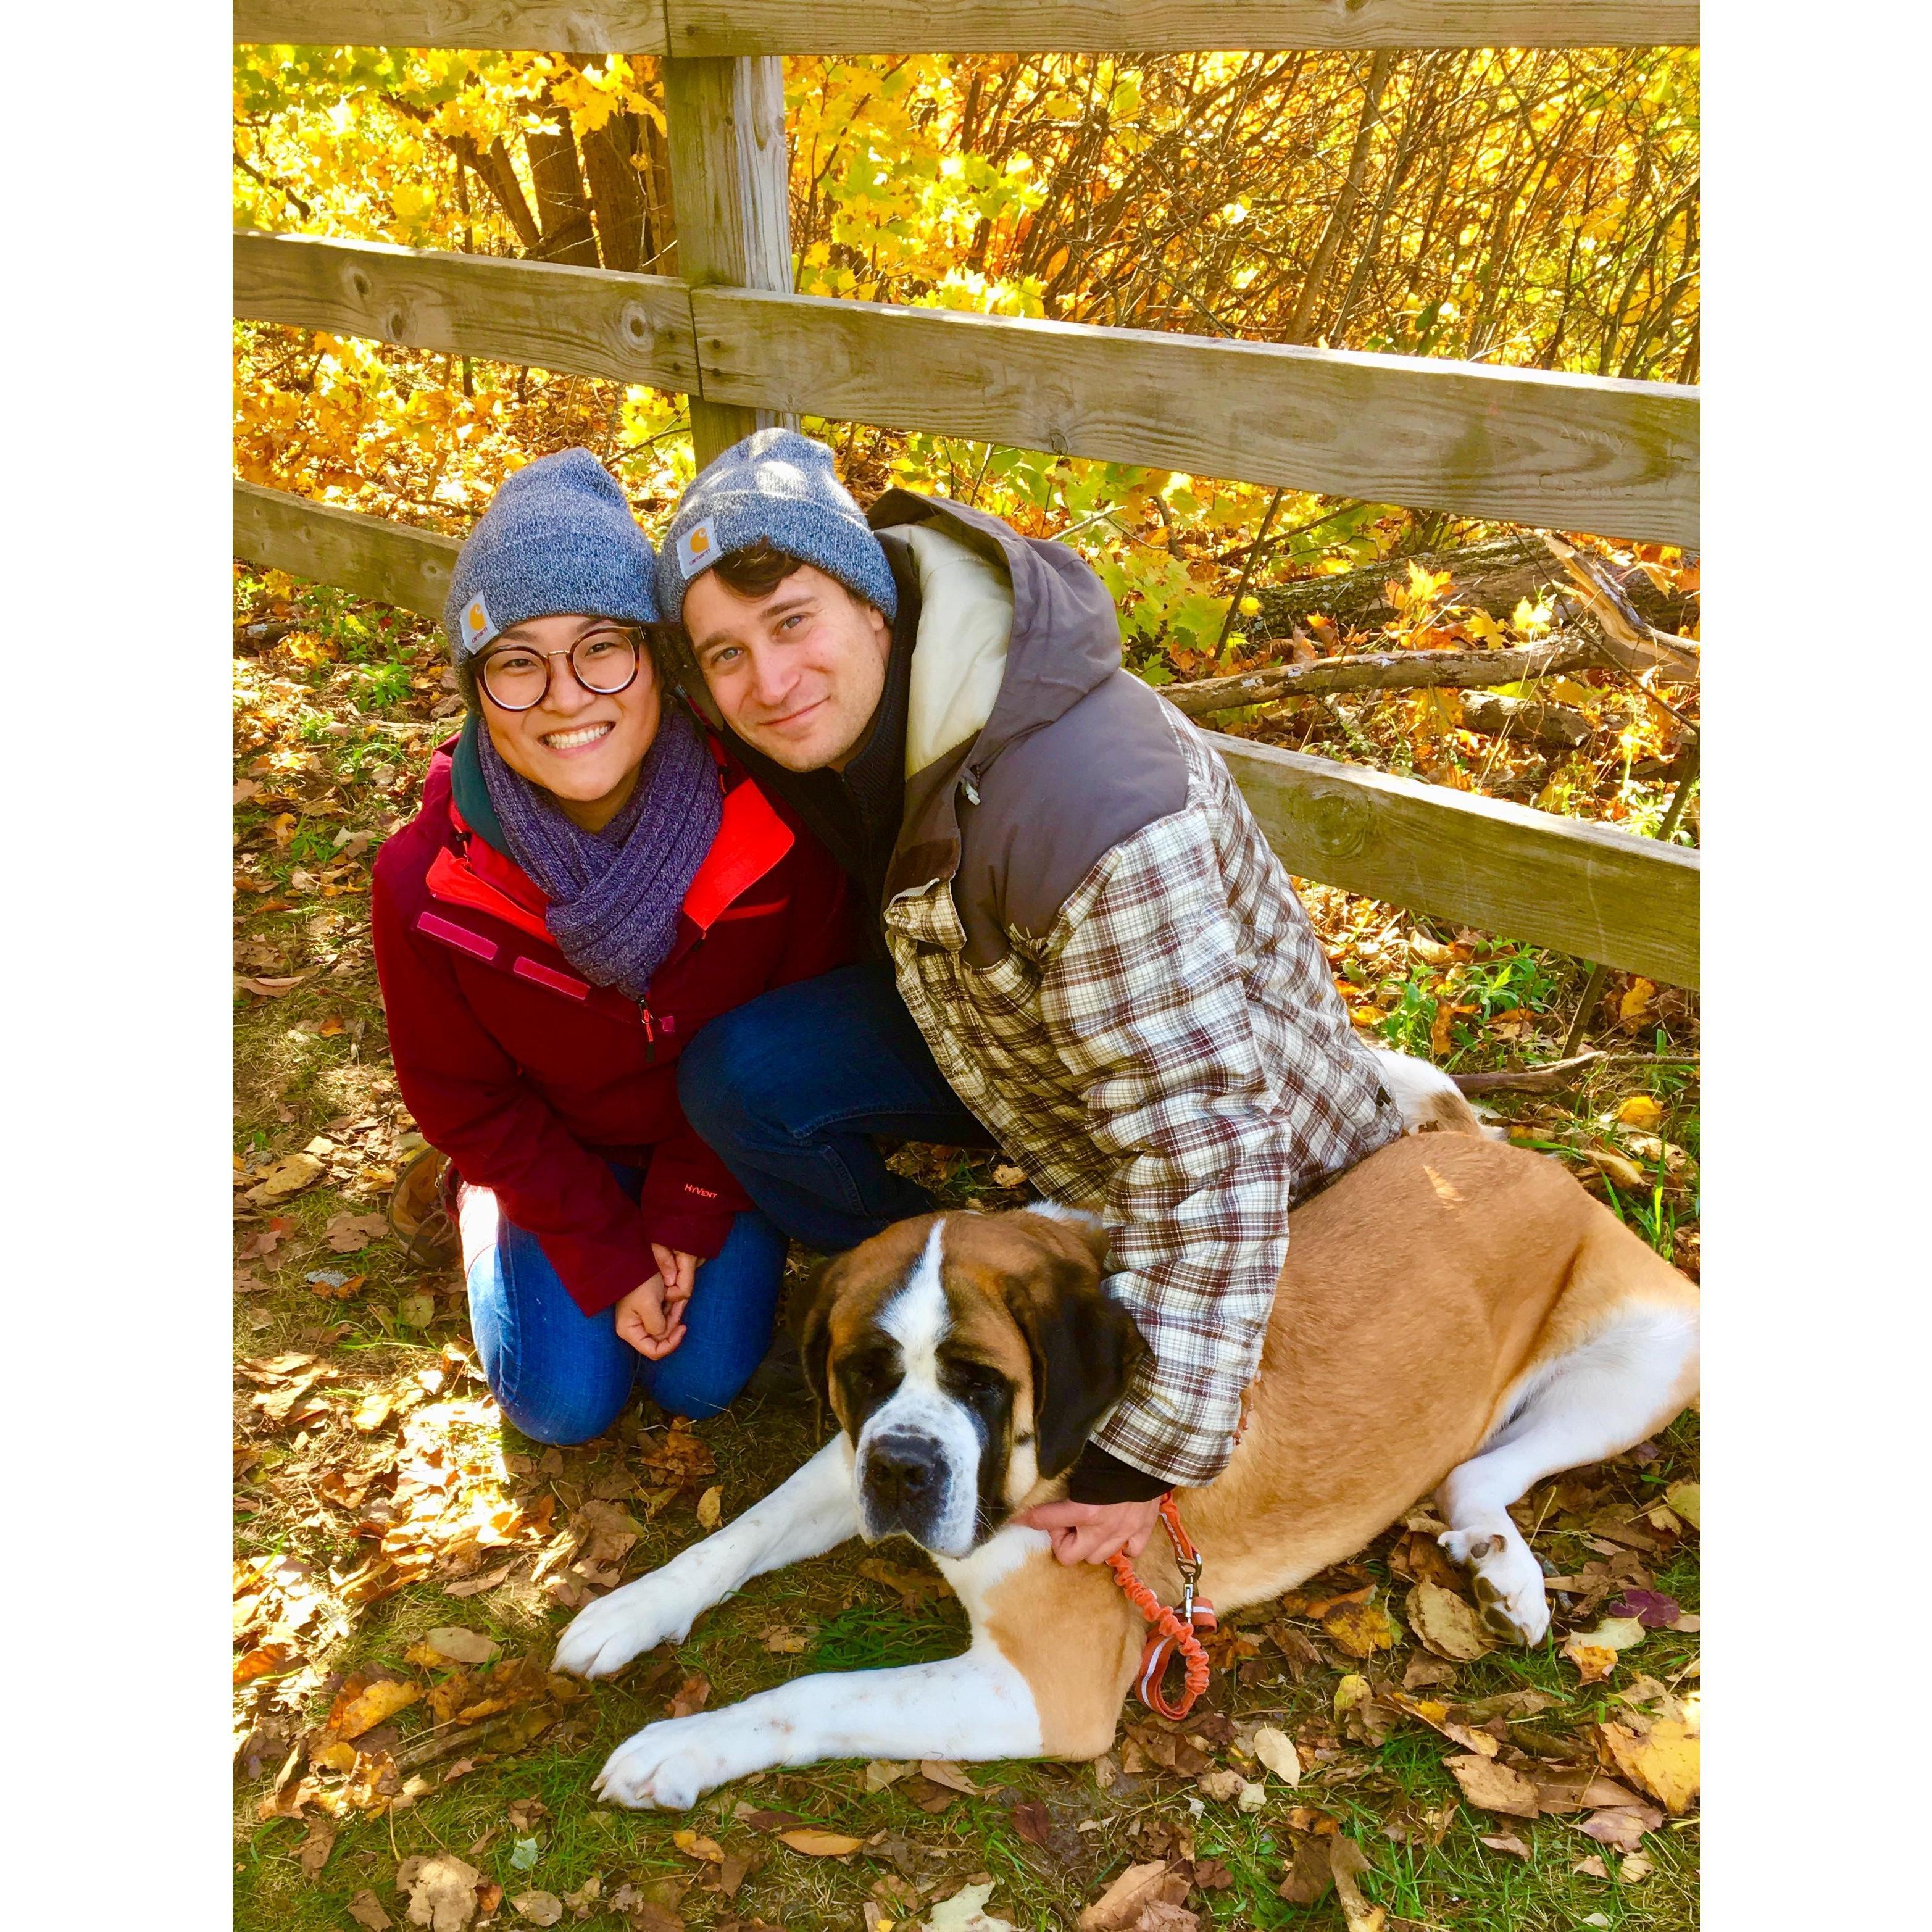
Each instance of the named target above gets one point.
<point>1083,1348</point>
<point>812,1329</point>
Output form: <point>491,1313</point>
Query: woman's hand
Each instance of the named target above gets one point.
<point>1092,1532</point>
<point>679,1272</point>
<point>647,1319</point>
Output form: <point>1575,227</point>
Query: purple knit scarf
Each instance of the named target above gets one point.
<point>615,894</point>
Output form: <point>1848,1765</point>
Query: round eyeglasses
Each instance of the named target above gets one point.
<point>516,677</point>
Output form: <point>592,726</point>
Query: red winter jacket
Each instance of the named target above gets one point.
<point>530,1078</point>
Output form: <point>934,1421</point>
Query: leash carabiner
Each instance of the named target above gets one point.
<point>1173,1633</point>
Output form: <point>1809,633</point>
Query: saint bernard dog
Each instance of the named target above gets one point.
<point>1455,1316</point>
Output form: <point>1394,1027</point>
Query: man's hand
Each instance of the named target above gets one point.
<point>678,1271</point>
<point>647,1321</point>
<point>1092,1532</point>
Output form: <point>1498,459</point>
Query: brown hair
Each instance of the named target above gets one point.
<point>757,570</point>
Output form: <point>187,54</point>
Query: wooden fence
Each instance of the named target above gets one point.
<point>1577,452</point>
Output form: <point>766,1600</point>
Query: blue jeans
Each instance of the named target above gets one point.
<point>789,1088</point>
<point>563,1376</point>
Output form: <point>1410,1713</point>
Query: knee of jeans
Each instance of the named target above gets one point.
<point>697,1391</point>
<point>715,1082</point>
<point>562,1418</point>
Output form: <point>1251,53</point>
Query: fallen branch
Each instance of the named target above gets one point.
<point>1381,670</point>
<point>1555,1073</point>
<point>1527,1079</point>
<point>1556,727</point>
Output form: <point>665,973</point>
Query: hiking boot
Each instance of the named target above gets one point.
<point>422,1213</point>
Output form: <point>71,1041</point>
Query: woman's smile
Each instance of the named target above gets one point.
<point>578,737</point>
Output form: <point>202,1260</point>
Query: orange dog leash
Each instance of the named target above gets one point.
<point>1173,1633</point>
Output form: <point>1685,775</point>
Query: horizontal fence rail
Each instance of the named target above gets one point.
<point>390,562</point>
<point>1586,890</point>
<point>1614,457</point>
<point>1582,452</point>
<point>579,322</point>
<point>711,27</point>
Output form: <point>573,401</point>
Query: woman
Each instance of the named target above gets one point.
<point>590,878</point>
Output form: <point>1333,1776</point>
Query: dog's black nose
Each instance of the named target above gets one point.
<point>900,1472</point>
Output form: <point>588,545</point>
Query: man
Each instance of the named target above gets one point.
<point>1098,951</point>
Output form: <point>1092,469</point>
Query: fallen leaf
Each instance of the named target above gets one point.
<point>882,1772</point>
<point>347,1233</point>
<point>1626,1174</point>
<point>1224,1787</point>
<point>1663,1760</point>
<point>1276,1750</point>
<point>1446,1624</point>
<point>1622,1827</point>
<point>461,1646</point>
<point>312,1854</point>
<point>1593,1662</point>
<point>369,1705</point>
<point>816,1843</point>
<point>1491,1787</point>
<point>679,1457</point>
<point>1505,1841</point>
<point>913,1586</point>
<point>442,1891</point>
<point>366,1909</point>
<point>1347,1861</point>
<point>966,1911</point>
<point>691,1695</point>
<point>711,1507</point>
<point>1309,1874</point>
<point>695,1845</point>
<point>264,1661</point>
<point>942,1771</point>
<point>1359,1629</point>
<point>1592,1867</point>
<point>281,1178</point>
<point>1616,1632</point>
<point>1651,1608</point>
<point>784,1642</point>
<point>540,1908</point>
<point>417,1310</point>
<point>1005,1175</point>
<point>1635,1869</point>
<point>1686,1499</point>
<point>1636,997</point>
<point>1640,1111</point>
<point>1159,1882</point>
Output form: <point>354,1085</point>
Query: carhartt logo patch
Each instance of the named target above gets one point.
<point>477,628</point>
<point>696,548</point>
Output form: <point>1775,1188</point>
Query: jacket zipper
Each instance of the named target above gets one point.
<point>652,1025</point>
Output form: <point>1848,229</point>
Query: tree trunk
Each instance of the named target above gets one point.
<point>563,207</point>
<point>493,167</point>
<point>616,191</point>
<point>1343,212</point>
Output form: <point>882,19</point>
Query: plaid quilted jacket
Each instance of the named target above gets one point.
<point>1109,963</point>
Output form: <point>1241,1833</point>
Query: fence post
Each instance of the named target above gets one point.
<point>725,121</point>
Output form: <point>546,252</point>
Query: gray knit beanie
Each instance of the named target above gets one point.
<point>558,539</point>
<point>779,486</point>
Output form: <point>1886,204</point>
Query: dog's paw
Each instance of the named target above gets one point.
<point>1505,1577</point>
<point>603,1636</point>
<point>668,1766</point>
